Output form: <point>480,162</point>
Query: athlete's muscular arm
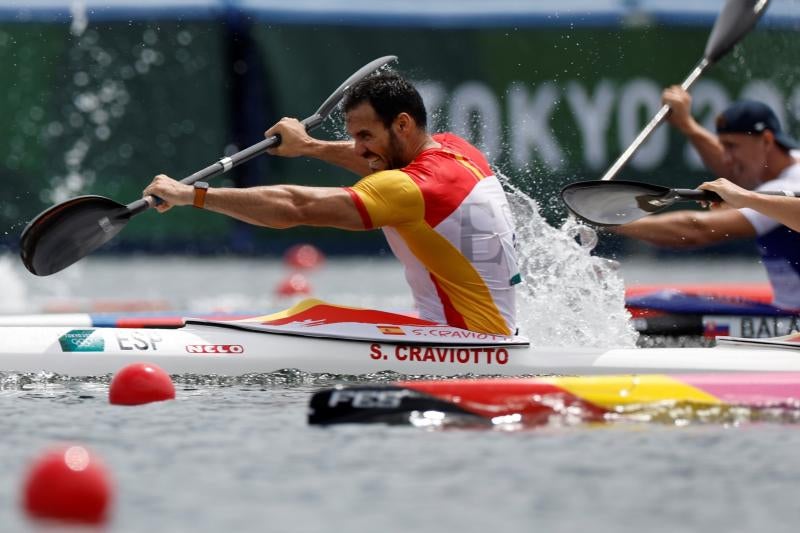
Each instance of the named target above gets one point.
<point>687,229</point>
<point>295,142</point>
<point>276,206</point>
<point>706,143</point>
<point>710,149</point>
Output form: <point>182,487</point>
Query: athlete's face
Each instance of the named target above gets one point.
<point>376,143</point>
<point>747,156</point>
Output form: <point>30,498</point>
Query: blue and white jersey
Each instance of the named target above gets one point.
<point>779,246</point>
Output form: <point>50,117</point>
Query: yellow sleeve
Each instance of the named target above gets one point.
<point>389,198</point>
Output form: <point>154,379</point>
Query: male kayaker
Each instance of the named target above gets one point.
<point>752,150</point>
<point>704,141</point>
<point>443,211</point>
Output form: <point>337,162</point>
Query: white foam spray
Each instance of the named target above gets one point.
<point>99,97</point>
<point>567,297</point>
<point>80,19</point>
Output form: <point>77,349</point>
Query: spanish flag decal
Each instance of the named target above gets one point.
<point>391,330</point>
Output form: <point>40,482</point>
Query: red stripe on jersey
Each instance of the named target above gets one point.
<point>443,179</point>
<point>453,317</point>
<point>362,209</point>
<point>456,144</point>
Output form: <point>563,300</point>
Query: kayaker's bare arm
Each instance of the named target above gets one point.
<point>785,210</point>
<point>706,143</point>
<point>688,229</point>
<point>275,206</point>
<point>296,142</point>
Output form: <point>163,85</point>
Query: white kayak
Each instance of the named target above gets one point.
<point>322,338</point>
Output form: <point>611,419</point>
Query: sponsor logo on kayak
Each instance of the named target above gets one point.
<point>81,340</point>
<point>368,399</point>
<point>215,348</point>
<point>487,355</point>
<point>391,330</point>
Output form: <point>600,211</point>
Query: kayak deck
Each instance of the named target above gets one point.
<point>317,337</point>
<point>212,349</point>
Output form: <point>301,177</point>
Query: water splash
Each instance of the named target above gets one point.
<point>99,99</point>
<point>80,19</point>
<point>567,297</point>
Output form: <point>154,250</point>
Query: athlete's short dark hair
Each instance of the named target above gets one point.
<point>389,94</point>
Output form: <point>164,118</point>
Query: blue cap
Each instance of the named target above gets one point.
<point>749,116</point>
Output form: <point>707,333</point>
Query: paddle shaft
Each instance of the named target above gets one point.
<point>310,123</point>
<point>736,19</point>
<point>701,67</point>
<point>700,195</point>
<point>225,164</point>
<point>67,232</point>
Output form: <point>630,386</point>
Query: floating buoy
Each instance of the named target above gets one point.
<point>293,285</point>
<point>303,256</point>
<point>68,484</point>
<point>140,383</point>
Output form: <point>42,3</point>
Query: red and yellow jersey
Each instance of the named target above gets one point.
<point>447,220</point>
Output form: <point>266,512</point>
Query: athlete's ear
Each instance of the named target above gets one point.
<point>769,137</point>
<point>403,122</point>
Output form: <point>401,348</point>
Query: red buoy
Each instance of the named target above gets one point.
<point>293,285</point>
<point>140,383</point>
<point>68,484</point>
<point>303,256</point>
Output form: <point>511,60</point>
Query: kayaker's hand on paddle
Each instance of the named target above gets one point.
<point>171,192</point>
<point>732,194</point>
<point>295,141</point>
<point>680,103</point>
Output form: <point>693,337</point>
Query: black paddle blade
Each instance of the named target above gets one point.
<point>734,22</point>
<point>612,203</point>
<point>69,231</point>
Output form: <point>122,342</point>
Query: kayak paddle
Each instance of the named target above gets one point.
<point>71,230</point>
<point>613,203</point>
<point>736,19</point>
